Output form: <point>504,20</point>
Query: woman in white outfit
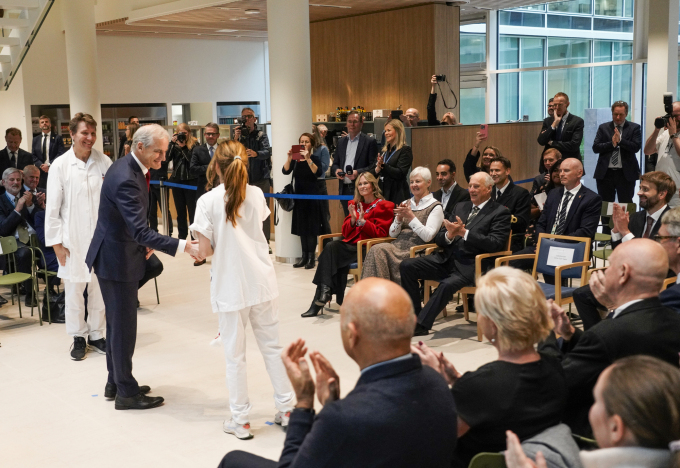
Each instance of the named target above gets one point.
<point>228,226</point>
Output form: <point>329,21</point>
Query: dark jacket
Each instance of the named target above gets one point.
<point>24,158</point>
<point>198,167</point>
<point>489,232</point>
<point>259,168</point>
<point>518,201</point>
<point>118,248</point>
<point>582,218</point>
<point>638,223</point>
<point>392,178</point>
<point>432,110</point>
<point>367,152</point>
<point>646,327</point>
<point>470,166</point>
<point>671,297</point>
<point>570,142</point>
<point>459,194</point>
<point>56,148</point>
<point>631,142</point>
<point>10,218</point>
<point>52,263</point>
<point>372,425</point>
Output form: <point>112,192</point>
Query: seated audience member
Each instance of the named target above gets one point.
<point>392,166</point>
<point>669,238</point>
<point>17,212</point>
<point>377,423</point>
<point>450,192</point>
<point>470,165</point>
<point>475,227</point>
<point>515,198</point>
<point>656,190</point>
<point>549,158</point>
<point>634,425</point>
<point>637,324</point>
<point>571,210</point>
<point>31,179</point>
<point>522,391</point>
<point>554,182</point>
<point>417,221</point>
<point>51,262</point>
<point>448,119</point>
<point>370,216</point>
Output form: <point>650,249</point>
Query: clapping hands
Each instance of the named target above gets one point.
<point>404,211</point>
<point>297,368</point>
<point>453,229</point>
<point>437,361</point>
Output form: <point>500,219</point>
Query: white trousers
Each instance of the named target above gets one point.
<point>75,309</point>
<point>264,318</point>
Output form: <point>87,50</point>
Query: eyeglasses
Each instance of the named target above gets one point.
<point>658,238</point>
<point>211,134</point>
<point>248,116</point>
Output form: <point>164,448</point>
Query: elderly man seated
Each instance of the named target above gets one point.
<point>31,181</point>
<point>400,413</point>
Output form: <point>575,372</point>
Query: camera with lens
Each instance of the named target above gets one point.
<point>661,122</point>
<point>182,137</point>
<point>440,77</point>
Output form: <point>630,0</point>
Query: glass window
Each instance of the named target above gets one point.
<point>623,50</point>
<point>602,51</point>
<point>472,48</point>
<point>531,96</point>
<point>562,51</point>
<point>602,86</point>
<point>508,53</point>
<point>516,18</point>
<point>609,7</point>
<point>622,82</point>
<point>531,52</point>
<point>539,7</point>
<point>573,6</point>
<point>569,22</point>
<point>508,98</point>
<point>472,105</point>
<point>602,24</point>
<point>576,83</point>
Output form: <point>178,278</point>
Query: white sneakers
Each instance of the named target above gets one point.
<point>242,431</point>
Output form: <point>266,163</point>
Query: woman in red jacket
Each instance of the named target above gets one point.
<point>370,216</point>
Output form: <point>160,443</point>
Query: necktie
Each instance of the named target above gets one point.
<point>648,230</point>
<point>148,179</point>
<point>13,160</point>
<point>44,148</point>
<point>561,222</point>
<point>22,230</point>
<point>212,152</point>
<point>475,211</point>
<point>558,131</point>
<point>610,315</point>
<point>615,153</point>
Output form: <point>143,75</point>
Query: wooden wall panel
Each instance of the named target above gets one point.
<point>447,55</point>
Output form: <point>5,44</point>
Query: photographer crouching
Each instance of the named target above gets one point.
<point>666,143</point>
<point>259,156</point>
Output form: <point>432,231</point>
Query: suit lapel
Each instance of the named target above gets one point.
<point>483,212</point>
<point>574,204</point>
<point>360,146</point>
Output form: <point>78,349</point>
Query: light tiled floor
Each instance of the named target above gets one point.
<point>53,412</point>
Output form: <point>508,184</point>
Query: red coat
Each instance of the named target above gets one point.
<point>379,216</point>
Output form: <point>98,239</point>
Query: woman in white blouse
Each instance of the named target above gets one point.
<point>416,222</point>
<point>228,226</point>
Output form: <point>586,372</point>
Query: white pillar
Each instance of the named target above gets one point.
<point>491,112</point>
<point>81,60</point>
<point>662,57</point>
<point>291,99</point>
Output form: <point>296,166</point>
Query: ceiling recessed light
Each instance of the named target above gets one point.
<point>252,12</point>
<point>226,30</point>
<point>329,6</point>
<point>226,8</point>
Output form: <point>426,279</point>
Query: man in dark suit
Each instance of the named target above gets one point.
<point>12,155</point>
<point>373,425</point>
<point>47,143</point>
<point>17,211</point>
<point>637,324</point>
<point>669,238</point>
<point>656,190</point>
<point>617,168</point>
<point>202,154</point>
<point>475,227</point>
<point>563,131</point>
<point>121,244</point>
<point>449,193</point>
<point>355,149</point>
<point>515,198</point>
<point>31,176</point>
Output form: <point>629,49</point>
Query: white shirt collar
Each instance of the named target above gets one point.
<point>42,135</point>
<point>28,189</point>
<point>657,213</point>
<point>424,202</point>
<point>144,169</point>
<point>448,192</point>
<point>480,206</point>
<point>575,190</point>
<point>620,309</point>
<point>502,189</point>
<point>356,138</point>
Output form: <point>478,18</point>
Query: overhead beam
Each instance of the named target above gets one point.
<point>9,41</point>
<point>172,7</point>
<point>19,4</point>
<point>13,23</point>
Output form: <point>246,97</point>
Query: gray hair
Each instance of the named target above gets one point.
<point>9,171</point>
<point>147,134</point>
<point>671,220</point>
<point>487,180</point>
<point>422,172</point>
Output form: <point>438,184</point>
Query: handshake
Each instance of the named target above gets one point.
<point>191,248</point>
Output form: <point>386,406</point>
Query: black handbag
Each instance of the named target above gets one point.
<point>286,204</point>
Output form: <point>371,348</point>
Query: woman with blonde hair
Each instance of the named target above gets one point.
<point>392,166</point>
<point>179,152</point>
<point>470,165</point>
<point>243,286</point>
<point>522,391</point>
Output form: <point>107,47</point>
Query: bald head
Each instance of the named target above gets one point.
<point>571,171</point>
<point>413,116</point>
<point>637,269</point>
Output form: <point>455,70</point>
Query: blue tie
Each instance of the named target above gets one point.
<point>212,152</point>
<point>558,132</point>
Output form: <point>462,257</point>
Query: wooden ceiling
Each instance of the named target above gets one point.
<point>247,19</point>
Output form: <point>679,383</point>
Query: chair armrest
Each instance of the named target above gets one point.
<point>509,258</point>
<point>431,250</point>
<point>480,257</point>
<point>379,240</point>
<point>558,278</point>
<point>414,250</point>
<point>360,253</point>
<point>323,237</point>
<point>590,272</point>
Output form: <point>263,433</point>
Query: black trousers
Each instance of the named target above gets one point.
<point>155,206</point>
<point>587,307</point>
<point>426,268</point>
<point>185,201</point>
<point>614,185</point>
<point>154,268</point>
<point>346,189</point>
<point>333,267</point>
<point>325,210</point>
<point>308,243</point>
<point>120,299</point>
<point>265,185</point>
<point>240,459</point>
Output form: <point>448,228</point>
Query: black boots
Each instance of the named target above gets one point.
<point>322,295</point>
<point>303,261</point>
<point>311,261</point>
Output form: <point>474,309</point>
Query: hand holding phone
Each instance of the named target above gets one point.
<point>484,131</point>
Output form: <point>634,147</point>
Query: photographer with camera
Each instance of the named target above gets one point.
<point>181,147</point>
<point>667,144</point>
<point>449,118</point>
<point>259,156</point>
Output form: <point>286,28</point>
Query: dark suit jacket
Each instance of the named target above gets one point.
<point>631,142</point>
<point>518,201</point>
<point>646,327</point>
<point>24,158</point>
<point>637,224</point>
<point>50,257</point>
<point>200,158</point>
<point>582,218</point>
<point>367,152</point>
<point>459,194</point>
<point>489,232</point>
<point>671,297</point>
<point>392,177</point>
<point>10,219</point>
<point>570,141</point>
<point>361,430</point>
<point>118,248</point>
<point>56,148</point>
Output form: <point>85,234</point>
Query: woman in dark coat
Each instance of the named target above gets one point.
<point>307,214</point>
<point>393,165</point>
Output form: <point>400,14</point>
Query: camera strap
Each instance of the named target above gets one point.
<point>442,95</point>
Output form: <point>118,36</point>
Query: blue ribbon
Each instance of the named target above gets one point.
<point>309,197</point>
<point>172,184</point>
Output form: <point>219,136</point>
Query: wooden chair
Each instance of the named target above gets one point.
<point>668,282</point>
<point>14,278</point>
<point>355,268</point>
<point>580,249</point>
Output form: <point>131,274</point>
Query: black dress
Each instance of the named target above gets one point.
<point>307,214</point>
<point>393,177</point>
<point>500,396</point>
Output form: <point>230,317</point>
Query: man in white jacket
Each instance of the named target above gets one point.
<point>72,209</point>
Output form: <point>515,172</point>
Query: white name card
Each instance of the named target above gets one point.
<point>540,199</point>
<point>558,256</point>
<point>610,208</point>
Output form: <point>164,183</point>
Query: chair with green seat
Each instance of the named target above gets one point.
<point>600,237</point>
<point>14,278</point>
<point>488,460</point>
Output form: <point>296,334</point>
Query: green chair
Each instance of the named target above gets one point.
<point>34,245</point>
<point>585,443</point>
<point>606,251</point>
<point>487,460</point>
<point>14,278</point>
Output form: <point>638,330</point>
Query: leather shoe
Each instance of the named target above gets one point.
<point>139,401</point>
<point>110,390</point>
<point>302,262</point>
<point>324,295</point>
<point>313,310</point>
<point>31,301</point>
<point>311,261</point>
<point>421,330</point>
